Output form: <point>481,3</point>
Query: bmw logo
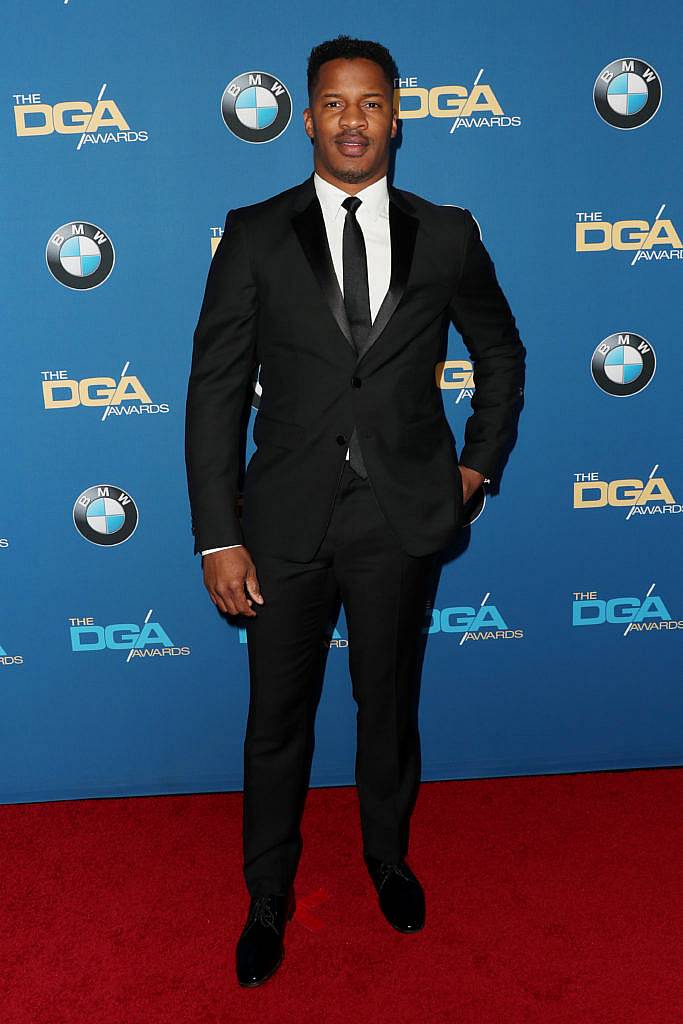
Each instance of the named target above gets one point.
<point>256,107</point>
<point>627,93</point>
<point>623,364</point>
<point>79,255</point>
<point>105,515</point>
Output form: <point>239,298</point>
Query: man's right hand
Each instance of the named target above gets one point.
<point>225,575</point>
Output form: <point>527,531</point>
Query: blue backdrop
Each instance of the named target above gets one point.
<point>555,638</point>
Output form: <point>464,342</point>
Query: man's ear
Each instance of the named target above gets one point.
<point>395,104</point>
<point>308,122</point>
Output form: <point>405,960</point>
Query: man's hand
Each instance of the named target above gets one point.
<point>471,480</point>
<point>225,575</point>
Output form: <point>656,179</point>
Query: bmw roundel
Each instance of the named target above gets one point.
<point>623,364</point>
<point>80,255</point>
<point>105,515</point>
<point>256,107</point>
<point>627,93</point>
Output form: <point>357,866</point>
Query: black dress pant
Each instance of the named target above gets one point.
<point>384,592</point>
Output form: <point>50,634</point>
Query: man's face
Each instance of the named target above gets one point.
<point>351,121</point>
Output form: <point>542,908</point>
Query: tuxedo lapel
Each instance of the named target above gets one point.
<point>309,225</point>
<point>310,229</point>
<point>403,228</point>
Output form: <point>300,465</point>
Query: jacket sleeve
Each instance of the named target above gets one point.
<point>483,317</point>
<point>223,359</point>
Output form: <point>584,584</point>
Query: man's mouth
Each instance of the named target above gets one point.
<point>352,145</point>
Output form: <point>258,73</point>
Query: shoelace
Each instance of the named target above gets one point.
<point>262,912</point>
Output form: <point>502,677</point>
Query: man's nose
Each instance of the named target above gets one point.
<point>353,116</point>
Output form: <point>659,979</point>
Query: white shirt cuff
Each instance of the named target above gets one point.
<point>224,548</point>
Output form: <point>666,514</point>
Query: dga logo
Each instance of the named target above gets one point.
<point>623,364</point>
<point>79,255</point>
<point>256,107</point>
<point>475,107</point>
<point>147,641</point>
<point>659,241</point>
<point>96,125</point>
<point>105,515</point>
<point>482,623</point>
<point>627,93</point>
<point>123,397</point>
<point>10,659</point>
<point>640,615</point>
<point>644,498</point>
<point>456,375</point>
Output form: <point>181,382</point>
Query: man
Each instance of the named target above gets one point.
<point>355,486</point>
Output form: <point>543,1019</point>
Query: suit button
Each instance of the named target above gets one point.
<point>356,382</point>
<point>341,439</point>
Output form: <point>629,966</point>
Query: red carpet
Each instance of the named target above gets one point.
<point>550,899</point>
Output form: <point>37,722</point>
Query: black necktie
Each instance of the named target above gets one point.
<point>356,301</point>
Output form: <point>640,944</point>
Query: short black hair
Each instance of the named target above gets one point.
<point>350,49</point>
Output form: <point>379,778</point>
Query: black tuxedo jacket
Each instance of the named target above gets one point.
<point>272,298</point>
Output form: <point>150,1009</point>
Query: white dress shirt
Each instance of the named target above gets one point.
<point>373,218</point>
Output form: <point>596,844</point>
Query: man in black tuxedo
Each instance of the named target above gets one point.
<point>342,289</point>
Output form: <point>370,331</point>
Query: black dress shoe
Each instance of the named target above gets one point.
<point>260,948</point>
<point>401,897</point>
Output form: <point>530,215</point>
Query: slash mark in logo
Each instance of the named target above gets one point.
<point>654,489</point>
<point>483,602</point>
<point>652,587</point>
<point>137,642</point>
<point>640,251</point>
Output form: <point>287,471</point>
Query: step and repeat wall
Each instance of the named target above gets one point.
<point>554,640</point>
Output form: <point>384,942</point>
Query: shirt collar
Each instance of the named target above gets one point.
<point>375,197</point>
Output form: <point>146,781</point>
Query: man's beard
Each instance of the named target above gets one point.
<point>352,176</point>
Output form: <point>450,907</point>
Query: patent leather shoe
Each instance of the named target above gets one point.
<point>260,947</point>
<point>401,897</point>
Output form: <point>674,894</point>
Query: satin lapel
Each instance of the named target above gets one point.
<point>403,227</point>
<point>310,229</point>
